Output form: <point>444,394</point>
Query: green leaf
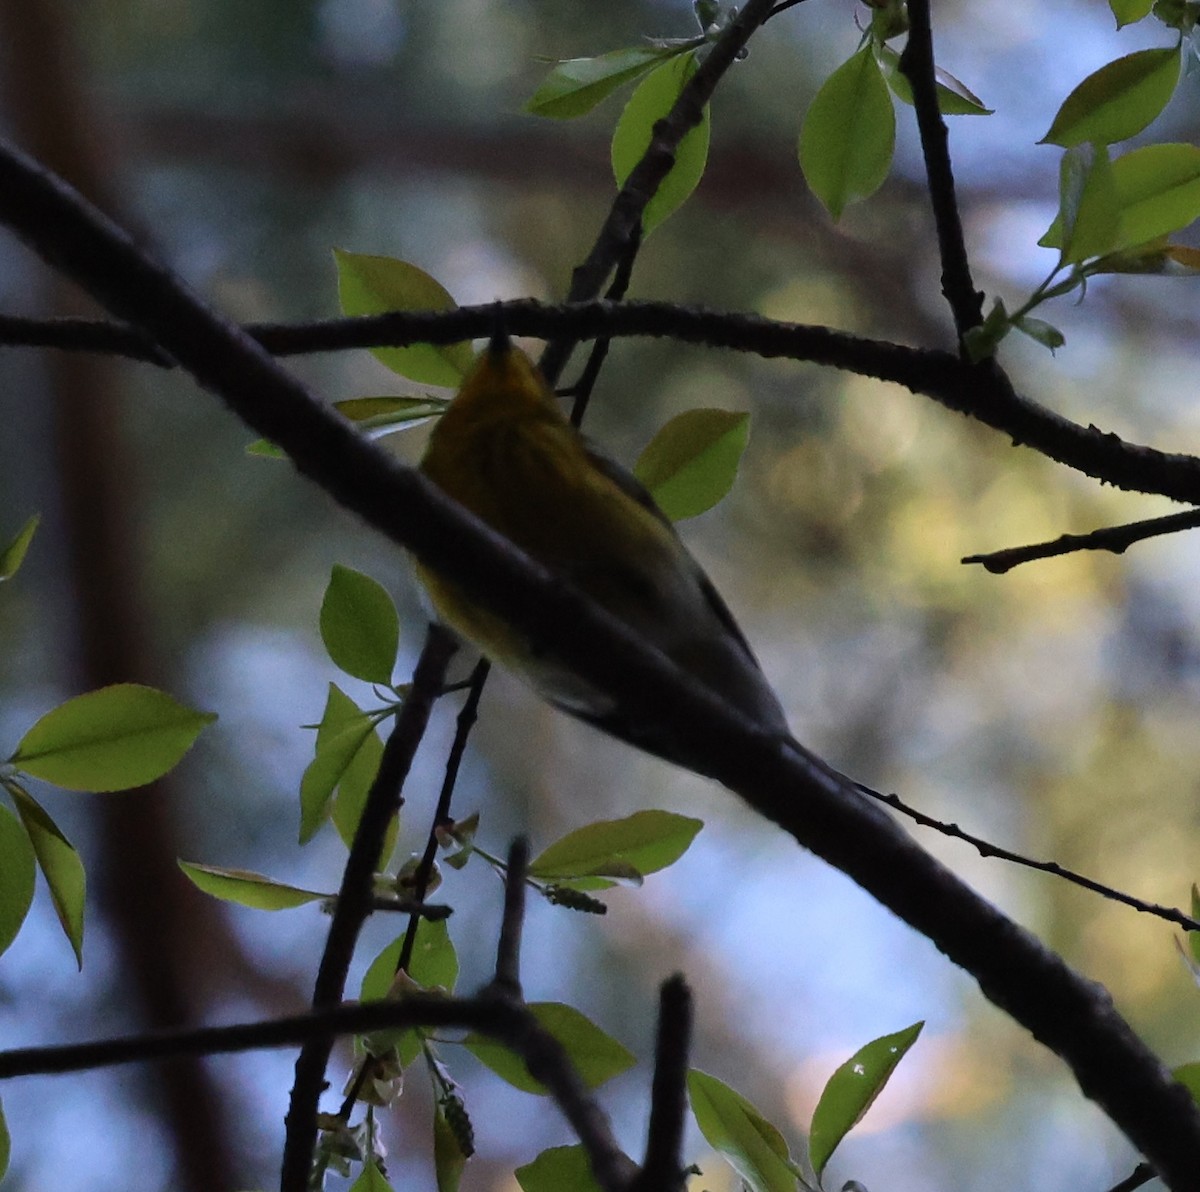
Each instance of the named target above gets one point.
<point>370,285</point>
<point>1128,12</point>
<point>247,888</point>
<point>1188,1075</point>
<point>371,1179</point>
<point>559,1169</point>
<point>644,842</point>
<point>849,134</point>
<point>17,871</point>
<point>118,737</point>
<point>1158,191</point>
<point>360,626</point>
<point>982,340</point>
<point>1117,101</point>
<point>353,789</point>
<point>955,98</point>
<point>693,460</point>
<point>13,554</point>
<point>1089,203</point>
<point>576,85</point>
<point>434,965</point>
<point>344,734</point>
<point>653,99</point>
<point>851,1091</point>
<point>1193,937</point>
<point>448,1158</point>
<point>1044,333</point>
<point>735,1129</point>
<point>60,864</point>
<point>596,1056</point>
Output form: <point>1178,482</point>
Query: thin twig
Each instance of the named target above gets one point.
<point>986,849</point>
<point>507,981</point>
<point>354,900</point>
<point>1143,1173</point>
<point>1115,539</point>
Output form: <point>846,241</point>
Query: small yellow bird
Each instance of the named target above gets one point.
<point>505,450</point>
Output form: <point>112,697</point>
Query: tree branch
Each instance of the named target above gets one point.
<point>779,778</point>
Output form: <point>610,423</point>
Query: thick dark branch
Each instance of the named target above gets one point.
<point>978,391</point>
<point>1114,539</point>
<point>1071,1016</point>
<point>966,303</point>
<point>662,1168</point>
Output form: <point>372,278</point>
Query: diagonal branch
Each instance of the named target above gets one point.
<point>1073,1017</point>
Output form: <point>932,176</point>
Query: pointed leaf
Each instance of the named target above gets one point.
<point>1117,101</point>
<point>1088,220</point>
<point>955,98</point>
<point>118,737</point>
<point>735,1129</point>
<point>343,735</point>
<point>1158,191</point>
<point>693,460</point>
<point>1044,333</point>
<point>12,555</point>
<point>559,1169</point>
<point>353,788</point>
<point>851,1091</point>
<point>17,872</point>
<point>646,841</point>
<point>370,285</point>
<point>596,1056</point>
<point>1129,11</point>
<point>849,134</point>
<point>653,100</point>
<point>247,888</point>
<point>60,864</point>
<point>377,416</point>
<point>576,85</point>
<point>448,1157</point>
<point>371,1179</point>
<point>360,626</point>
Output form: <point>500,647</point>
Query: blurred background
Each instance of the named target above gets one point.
<point>1052,710</point>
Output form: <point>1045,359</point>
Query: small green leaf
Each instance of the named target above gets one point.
<point>982,340</point>
<point>576,85</point>
<point>18,869</point>
<point>247,888</point>
<point>851,1091</point>
<point>596,1056</point>
<point>359,625</point>
<point>559,1169</point>
<point>849,134</point>
<point>1118,100</point>
<point>735,1129</point>
<point>353,789</point>
<point>1044,333</point>
<point>379,416</point>
<point>434,965</point>
<point>653,99</point>
<point>644,842</point>
<point>693,460</point>
<point>1128,12</point>
<point>1193,937</point>
<point>60,864</point>
<point>448,1157</point>
<point>370,285</point>
<point>955,98</point>
<point>344,733</point>
<point>1089,203</point>
<point>12,555</point>
<point>1188,1075</point>
<point>118,737</point>
<point>371,1179</point>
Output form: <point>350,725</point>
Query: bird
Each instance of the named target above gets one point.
<point>505,450</point>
